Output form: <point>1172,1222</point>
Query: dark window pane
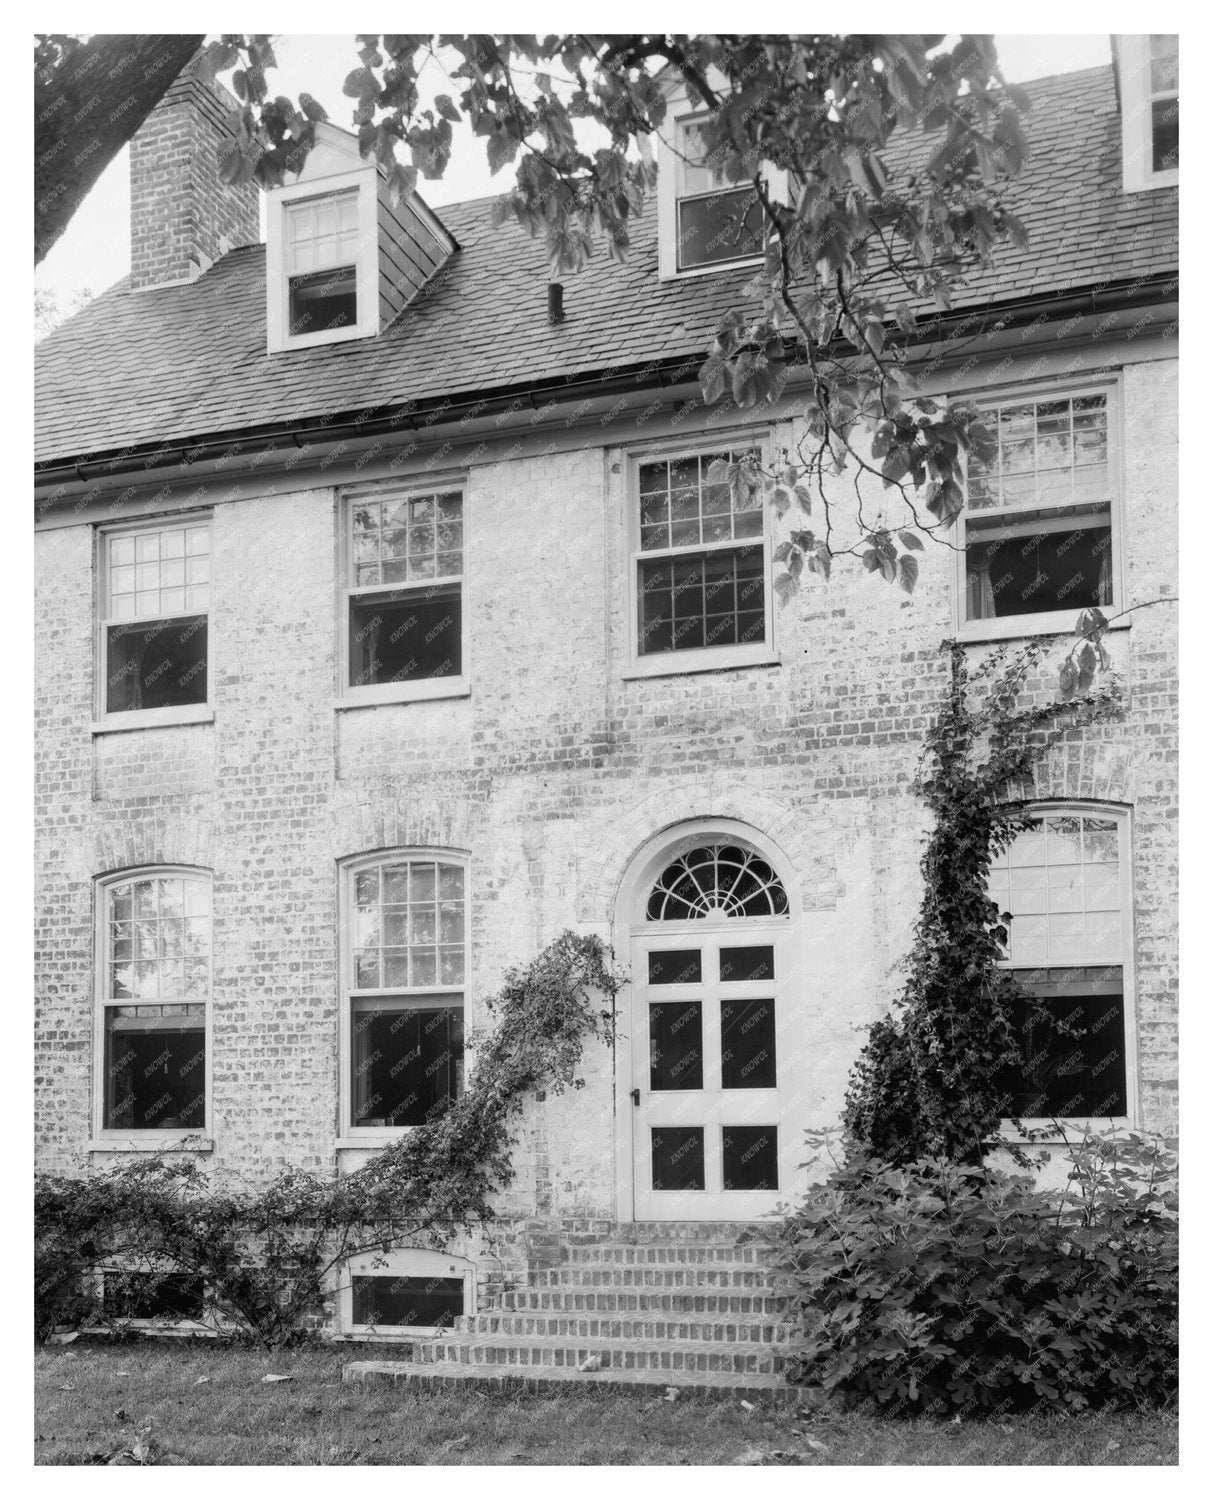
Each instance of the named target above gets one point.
<point>406,637</point>
<point>747,1044</point>
<point>713,600</point>
<point>676,1045</point>
<point>738,965</point>
<point>146,1294</point>
<point>1074,1056</point>
<point>1022,575</point>
<point>406,1065</point>
<point>678,1158</point>
<point>156,664</point>
<point>322,301</point>
<point>751,1158</point>
<point>1164,132</point>
<point>408,1301</point>
<point>155,1067</point>
<point>681,966</point>
<point>719,227</point>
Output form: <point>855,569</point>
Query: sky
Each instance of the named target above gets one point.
<point>95,250</point>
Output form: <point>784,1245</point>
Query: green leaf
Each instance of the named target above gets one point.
<point>312,108</point>
<point>911,539</point>
<point>712,377</point>
<point>907,572</point>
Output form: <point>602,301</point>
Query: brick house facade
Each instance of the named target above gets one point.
<point>558,769</point>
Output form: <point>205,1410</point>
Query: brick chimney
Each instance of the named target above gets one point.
<point>182,216</point>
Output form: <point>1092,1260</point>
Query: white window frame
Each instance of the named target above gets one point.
<point>144,718</point>
<point>1123,816</point>
<point>404,1262</point>
<point>669,195</point>
<point>1056,621</point>
<point>208,1325</point>
<point>278,324</point>
<point>349,696</point>
<point>143,1140</point>
<point>351,1135</point>
<point>706,658</point>
<point>1137,129</point>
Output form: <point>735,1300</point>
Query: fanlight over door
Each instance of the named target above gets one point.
<point>712,1037</point>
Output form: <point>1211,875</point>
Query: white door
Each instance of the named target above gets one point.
<point>713,1045</point>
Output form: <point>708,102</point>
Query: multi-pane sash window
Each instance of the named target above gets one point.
<point>1065,884</point>
<point>155,988</point>
<point>407,962</point>
<point>154,627</point>
<point>1039,524</point>
<point>701,565</point>
<point>322,263</point>
<point>405,589</point>
<point>717,222</point>
<point>1163,103</point>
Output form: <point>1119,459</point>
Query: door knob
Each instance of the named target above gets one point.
<point>636,1096</point>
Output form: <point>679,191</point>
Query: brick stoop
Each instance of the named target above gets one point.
<point>688,1306</point>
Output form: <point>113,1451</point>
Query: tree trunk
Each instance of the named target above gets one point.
<point>86,109</point>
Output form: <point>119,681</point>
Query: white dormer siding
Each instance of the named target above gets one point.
<point>341,262</point>
<point>1148,77</point>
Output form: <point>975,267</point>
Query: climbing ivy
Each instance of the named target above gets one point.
<point>268,1255</point>
<point>926,1082</point>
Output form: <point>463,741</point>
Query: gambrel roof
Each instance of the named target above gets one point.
<point>174,365</point>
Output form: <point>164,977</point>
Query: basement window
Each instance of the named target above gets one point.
<point>393,1294</point>
<point>155,613</point>
<point>150,1296</point>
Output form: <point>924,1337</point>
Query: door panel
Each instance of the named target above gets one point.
<point>713,1041</point>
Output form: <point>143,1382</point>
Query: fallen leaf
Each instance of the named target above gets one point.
<point>452,1443</point>
<point>671,1393</point>
<point>64,1338</point>
<point>122,1415</point>
<point>588,1366</point>
<point>816,1445</point>
<point>121,1372</point>
<point>751,1456</point>
<point>749,1405</point>
<point>274,1379</point>
<point>206,1379</point>
<point>67,1386</point>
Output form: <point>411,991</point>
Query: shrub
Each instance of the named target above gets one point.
<point>267,1256</point>
<point>938,1287</point>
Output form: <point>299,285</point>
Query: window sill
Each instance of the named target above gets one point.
<point>183,1142</point>
<point>1060,1133</point>
<point>154,718</point>
<point>682,665</point>
<point>1022,627</point>
<point>373,1142</point>
<point>416,692</point>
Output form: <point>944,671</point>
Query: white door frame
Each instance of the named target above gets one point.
<point>644,867</point>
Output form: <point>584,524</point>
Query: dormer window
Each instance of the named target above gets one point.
<point>322,263</point>
<point>1149,104</point>
<point>718,222</point>
<point>323,258</point>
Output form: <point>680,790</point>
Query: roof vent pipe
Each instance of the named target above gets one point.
<point>555,302</point>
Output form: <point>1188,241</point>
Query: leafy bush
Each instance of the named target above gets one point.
<point>927,1082</point>
<point>936,1287</point>
<point>267,1256</point>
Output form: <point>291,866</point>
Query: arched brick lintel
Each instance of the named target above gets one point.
<point>601,871</point>
<point>1086,771</point>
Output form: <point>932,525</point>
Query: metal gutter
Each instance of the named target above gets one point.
<point>1144,292</point>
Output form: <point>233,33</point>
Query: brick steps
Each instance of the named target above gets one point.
<point>656,1302</point>
<point>552,1381</point>
<point>569,1353</point>
<point>681,1253</point>
<point>689,1305</point>
<point>722,1275</point>
<point>641,1326</point>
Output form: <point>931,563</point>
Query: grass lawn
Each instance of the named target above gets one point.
<point>209,1406</point>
